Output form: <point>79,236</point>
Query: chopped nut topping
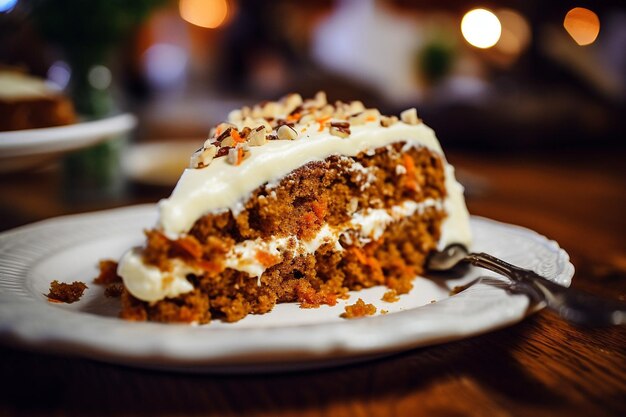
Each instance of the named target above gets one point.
<point>245,132</point>
<point>320,99</point>
<point>210,141</point>
<point>203,157</point>
<point>235,115</point>
<point>342,132</point>
<point>287,119</point>
<point>409,116</point>
<point>229,141</point>
<point>356,107</point>
<point>386,121</point>
<point>257,137</point>
<point>287,132</point>
<point>371,115</point>
<point>256,112</point>
<point>357,119</point>
<point>237,155</point>
<point>222,127</point>
<point>232,157</point>
<point>272,108</point>
<point>344,125</point>
<point>307,118</point>
<point>222,151</point>
<point>292,101</point>
<point>225,134</point>
<point>326,111</point>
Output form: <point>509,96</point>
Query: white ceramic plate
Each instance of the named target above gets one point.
<point>21,149</point>
<point>68,249</point>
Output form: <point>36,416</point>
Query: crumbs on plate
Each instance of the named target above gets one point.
<point>358,309</point>
<point>66,293</point>
<point>109,278</point>
<point>391,296</point>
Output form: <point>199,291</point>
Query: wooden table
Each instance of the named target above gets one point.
<point>541,367</point>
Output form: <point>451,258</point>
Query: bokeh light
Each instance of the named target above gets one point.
<point>583,25</point>
<point>516,33</point>
<point>204,13</point>
<point>165,65</point>
<point>481,28</point>
<point>99,77</point>
<point>59,74</point>
<point>7,5</point>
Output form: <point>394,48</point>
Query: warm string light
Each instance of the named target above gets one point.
<point>481,28</point>
<point>516,32</point>
<point>583,25</point>
<point>204,13</point>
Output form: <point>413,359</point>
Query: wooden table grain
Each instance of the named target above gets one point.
<point>540,367</point>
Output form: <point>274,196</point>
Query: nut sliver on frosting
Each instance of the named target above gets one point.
<point>225,182</point>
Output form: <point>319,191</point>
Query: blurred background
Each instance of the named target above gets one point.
<point>527,83</point>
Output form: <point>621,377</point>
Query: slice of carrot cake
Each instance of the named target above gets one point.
<point>295,201</point>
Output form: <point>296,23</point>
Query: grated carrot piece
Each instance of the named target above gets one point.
<point>319,208</point>
<point>266,259</point>
<point>293,117</point>
<point>360,255</point>
<point>322,121</point>
<point>309,218</point>
<point>236,136</point>
<point>239,156</point>
<point>190,245</point>
<point>209,266</point>
<point>409,165</point>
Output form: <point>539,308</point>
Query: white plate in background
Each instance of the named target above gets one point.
<point>21,149</point>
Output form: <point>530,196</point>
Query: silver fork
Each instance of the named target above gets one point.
<point>572,305</point>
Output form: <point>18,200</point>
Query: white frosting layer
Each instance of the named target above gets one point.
<point>149,283</point>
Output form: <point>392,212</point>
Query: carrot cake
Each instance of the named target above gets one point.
<point>295,201</point>
<point>27,102</point>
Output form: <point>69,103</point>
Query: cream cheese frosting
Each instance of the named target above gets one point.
<point>149,283</point>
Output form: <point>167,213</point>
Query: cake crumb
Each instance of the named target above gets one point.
<point>391,296</point>
<point>358,309</point>
<point>66,293</point>
<point>114,290</point>
<point>109,278</point>
<point>384,311</point>
<point>108,273</point>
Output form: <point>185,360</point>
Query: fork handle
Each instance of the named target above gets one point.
<point>572,305</point>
